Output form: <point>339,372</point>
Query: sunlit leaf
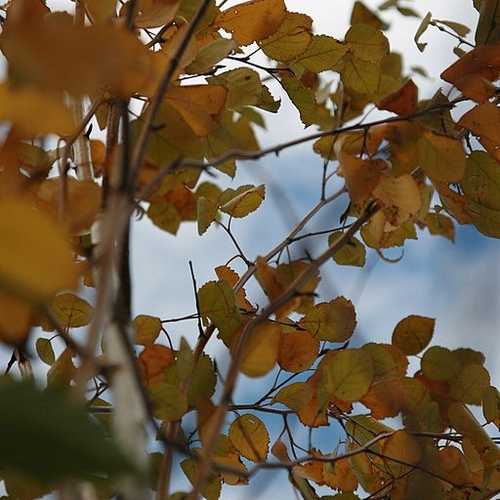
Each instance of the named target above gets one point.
<point>242,201</point>
<point>212,487</point>
<point>322,53</point>
<point>147,328</point>
<point>252,20</point>
<point>291,39</point>
<point>349,374</point>
<point>169,401</point>
<point>249,436</point>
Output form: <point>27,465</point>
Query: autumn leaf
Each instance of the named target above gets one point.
<point>351,254</point>
<point>401,451</point>
<point>260,352</point>
<point>297,351</point>
<point>349,374</point>
<point>440,363</point>
<point>403,101</point>
<point>331,321</point>
<point>295,396</point>
<point>249,436</point>
<point>70,311</point>
<point>243,201</point>
<point>413,334</point>
<point>36,256</point>
<point>15,319</point>
<point>252,21</point>
<point>291,39</point>
<point>153,362</point>
<point>147,328</point>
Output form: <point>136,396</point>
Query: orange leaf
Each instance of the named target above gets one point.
<point>403,101</point>
<point>298,350</point>
<point>153,362</point>
<point>483,121</point>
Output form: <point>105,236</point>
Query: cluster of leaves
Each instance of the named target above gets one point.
<point>418,168</point>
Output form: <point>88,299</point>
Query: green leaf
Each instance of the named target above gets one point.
<point>45,351</point>
<point>367,43</point>
<point>440,363</point>
<point>210,55</point>
<point>322,54</point>
<point>45,435</point>
<point>349,374</point>
<point>218,303</point>
<point>169,401</point>
<point>413,334</point>
<point>291,39</point>
<point>481,182</point>
<point>304,100</point>
<point>441,158</point>
<point>244,85</point>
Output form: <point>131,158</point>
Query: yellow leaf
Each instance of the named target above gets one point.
<point>71,311</point>
<point>323,53</point>
<point>351,254</point>
<point>36,55</point>
<point>401,447</point>
<point>252,21</point>
<point>297,351</point>
<point>242,201</point>
<point>349,374</point>
<point>212,486</point>
<point>400,198</point>
<point>36,259</point>
<point>361,176</point>
<point>340,475</point>
<point>147,328</point>
<point>199,105</point>
<point>231,277</point>
<point>62,370</point>
<point>441,158</point>
<point>469,385</point>
<point>33,112</point>
<point>290,40</point>
<point>249,436</point>
<point>413,334</point>
<point>332,321</point>
<point>218,303</point>
<point>261,349</point>
<point>491,405</point>
<point>389,362</point>
<point>155,13</point>
<point>360,76</point>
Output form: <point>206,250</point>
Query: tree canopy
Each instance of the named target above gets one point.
<point>113,111</point>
